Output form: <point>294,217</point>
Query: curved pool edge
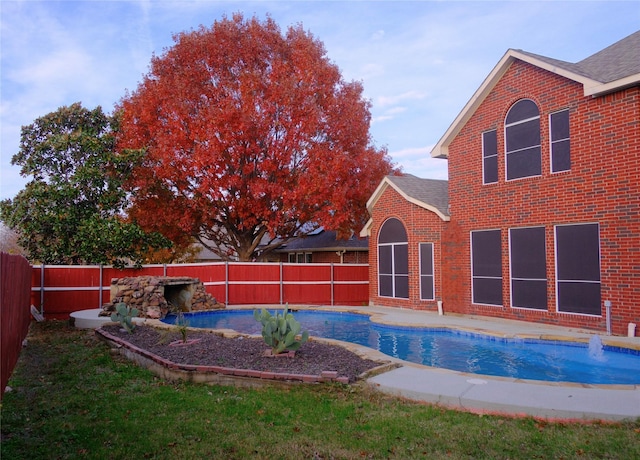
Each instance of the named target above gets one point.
<point>485,394</point>
<point>493,327</point>
<point>499,396</point>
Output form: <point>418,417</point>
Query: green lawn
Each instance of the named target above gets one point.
<point>73,398</point>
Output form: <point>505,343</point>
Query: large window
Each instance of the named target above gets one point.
<point>522,140</point>
<point>560,145</point>
<point>528,267</point>
<point>578,268</point>
<point>489,157</point>
<point>486,267</point>
<point>393,260</point>
<point>427,284</point>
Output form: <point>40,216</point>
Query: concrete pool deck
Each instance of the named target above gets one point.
<point>496,395</point>
<point>487,394</point>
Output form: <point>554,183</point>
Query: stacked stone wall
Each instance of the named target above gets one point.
<point>157,296</point>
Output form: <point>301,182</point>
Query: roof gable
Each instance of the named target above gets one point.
<point>430,194</point>
<point>612,69</point>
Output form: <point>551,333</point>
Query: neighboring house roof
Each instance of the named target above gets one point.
<point>612,69</point>
<point>207,254</point>
<point>430,194</point>
<point>325,241</point>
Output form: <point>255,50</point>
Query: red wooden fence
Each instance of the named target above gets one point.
<point>15,315</point>
<point>59,290</point>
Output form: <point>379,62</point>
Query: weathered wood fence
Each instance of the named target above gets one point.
<point>15,316</point>
<point>58,290</point>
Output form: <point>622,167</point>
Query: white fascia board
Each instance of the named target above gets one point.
<point>595,88</point>
<point>591,87</point>
<point>366,230</point>
<point>441,149</point>
<point>386,182</point>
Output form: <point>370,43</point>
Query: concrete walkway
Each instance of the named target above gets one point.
<point>487,394</point>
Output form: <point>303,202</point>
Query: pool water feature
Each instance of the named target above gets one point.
<point>531,359</point>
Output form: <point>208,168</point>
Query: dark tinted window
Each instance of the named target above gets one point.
<point>490,157</point>
<point>487,257</point>
<point>392,231</point>
<point>522,110</point>
<point>525,163</point>
<point>578,268</point>
<point>522,139</point>
<point>385,263</point>
<point>426,272</point>
<point>393,260</point>
<point>401,259</point>
<point>528,267</point>
<point>486,260</point>
<point>560,144</point>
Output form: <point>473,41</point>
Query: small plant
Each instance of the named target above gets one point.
<point>182,324</point>
<point>124,315</point>
<point>281,331</point>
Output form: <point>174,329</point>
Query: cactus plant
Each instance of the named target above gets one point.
<point>124,315</point>
<point>281,331</point>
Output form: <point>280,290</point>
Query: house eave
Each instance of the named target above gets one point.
<point>366,230</point>
<point>599,89</point>
<point>386,182</point>
<point>590,87</point>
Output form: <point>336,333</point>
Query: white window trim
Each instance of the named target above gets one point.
<point>481,277</point>
<point>491,156</point>
<point>433,274</point>
<point>551,142</point>
<point>393,273</point>
<point>506,154</point>
<point>511,278</point>
<point>557,280</point>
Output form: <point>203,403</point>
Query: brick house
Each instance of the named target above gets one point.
<point>324,246</point>
<point>541,219</point>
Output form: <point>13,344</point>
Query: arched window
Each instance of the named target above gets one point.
<point>522,140</point>
<point>393,260</point>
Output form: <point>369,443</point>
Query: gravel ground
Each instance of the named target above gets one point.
<point>212,349</point>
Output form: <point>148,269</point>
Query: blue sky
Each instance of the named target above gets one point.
<point>419,61</point>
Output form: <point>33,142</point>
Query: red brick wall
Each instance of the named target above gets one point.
<point>422,226</point>
<point>330,257</point>
<point>602,186</point>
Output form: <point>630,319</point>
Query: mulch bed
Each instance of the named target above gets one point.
<point>211,349</point>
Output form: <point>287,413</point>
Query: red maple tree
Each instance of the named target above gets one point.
<point>251,137</point>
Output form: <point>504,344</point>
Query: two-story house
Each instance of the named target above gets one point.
<point>540,218</point>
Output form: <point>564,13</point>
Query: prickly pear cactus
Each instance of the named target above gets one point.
<point>124,315</point>
<point>281,331</point>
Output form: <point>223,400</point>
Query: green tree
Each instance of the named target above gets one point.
<point>72,210</point>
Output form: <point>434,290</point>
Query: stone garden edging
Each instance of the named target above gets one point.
<point>220,375</point>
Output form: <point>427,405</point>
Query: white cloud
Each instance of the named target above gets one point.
<point>378,35</point>
<point>418,161</point>
<point>384,101</point>
<point>419,62</point>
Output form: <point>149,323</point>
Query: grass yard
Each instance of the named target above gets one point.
<point>72,398</point>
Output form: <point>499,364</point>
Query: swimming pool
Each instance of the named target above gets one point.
<point>532,359</point>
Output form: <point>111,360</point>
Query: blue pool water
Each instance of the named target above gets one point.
<point>531,359</point>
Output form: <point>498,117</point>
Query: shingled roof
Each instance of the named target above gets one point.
<point>325,240</point>
<point>431,192</point>
<point>615,62</point>
<point>612,69</point>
